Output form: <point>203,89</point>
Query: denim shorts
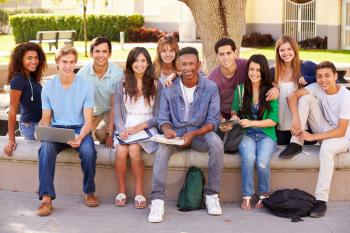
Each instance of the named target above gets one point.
<point>28,129</point>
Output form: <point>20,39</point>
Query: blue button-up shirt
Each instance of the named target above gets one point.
<point>204,109</point>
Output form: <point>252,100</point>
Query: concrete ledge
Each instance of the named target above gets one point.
<point>298,172</point>
<point>27,151</point>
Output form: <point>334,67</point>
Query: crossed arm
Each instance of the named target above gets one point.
<point>296,129</point>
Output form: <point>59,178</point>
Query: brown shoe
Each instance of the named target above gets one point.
<point>91,200</point>
<point>45,209</point>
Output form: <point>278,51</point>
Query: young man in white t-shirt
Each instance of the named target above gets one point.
<point>326,107</point>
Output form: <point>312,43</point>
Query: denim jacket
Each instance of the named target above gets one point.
<point>204,109</point>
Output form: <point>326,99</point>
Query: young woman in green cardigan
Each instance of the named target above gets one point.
<point>259,117</point>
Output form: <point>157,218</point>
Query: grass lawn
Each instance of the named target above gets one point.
<point>317,55</point>
<point>7,43</point>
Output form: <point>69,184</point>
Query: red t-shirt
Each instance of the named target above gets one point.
<point>227,85</point>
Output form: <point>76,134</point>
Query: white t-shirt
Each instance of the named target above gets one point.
<point>188,95</point>
<point>335,106</point>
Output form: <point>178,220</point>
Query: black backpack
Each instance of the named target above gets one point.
<point>290,203</point>
<point>191,194</point>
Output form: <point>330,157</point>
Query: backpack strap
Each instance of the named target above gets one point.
<point>240,96</point>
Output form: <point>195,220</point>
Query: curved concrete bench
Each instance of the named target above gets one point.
<point>300,171</point>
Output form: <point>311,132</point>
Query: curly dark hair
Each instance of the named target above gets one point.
<point>16,61</point>
<point>148,79</point>
<point>265,86</point>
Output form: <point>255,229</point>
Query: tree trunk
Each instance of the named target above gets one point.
<point>216,19</point>
<point>85,27</point>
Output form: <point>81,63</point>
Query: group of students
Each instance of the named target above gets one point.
<point>173,96</point>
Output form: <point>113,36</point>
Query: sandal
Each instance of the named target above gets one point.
<point>120,200</point>
<point>246,203</point>
<point>140,202</point>
<point>259,204</point>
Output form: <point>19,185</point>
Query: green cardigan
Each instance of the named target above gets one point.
<point>272,114</point>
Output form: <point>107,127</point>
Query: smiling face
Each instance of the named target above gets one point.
<point>254,73</point>
<point>167,54</point>
<point>101,54</point>
<point>326,78</point>
<point>189,66</point>
<point>226,56</point>
<point>30,61</point>
<point>140,64</point>
<point>286,52</point>
<point>66,64</point>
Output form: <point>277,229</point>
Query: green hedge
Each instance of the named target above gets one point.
<point>25,26</point>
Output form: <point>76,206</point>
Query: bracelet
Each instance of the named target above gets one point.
<point>109,133</point>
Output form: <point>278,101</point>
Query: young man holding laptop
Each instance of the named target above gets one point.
<point>67,102</point>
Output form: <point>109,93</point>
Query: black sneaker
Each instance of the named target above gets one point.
<point>319,209</point>
<point>291,150</point>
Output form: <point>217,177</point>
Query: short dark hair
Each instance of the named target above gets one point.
<point>224,41</point>
<point>188,50</point>
<point>100,40</point>
<point>326,64</point>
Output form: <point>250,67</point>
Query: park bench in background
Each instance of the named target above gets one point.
<point>53,37</point>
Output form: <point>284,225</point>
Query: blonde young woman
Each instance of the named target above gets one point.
<point>166,61</point>
<point>290,73</point>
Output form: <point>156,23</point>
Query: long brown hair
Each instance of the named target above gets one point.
<point>158,63</point>
<point>148,79</point>
<point>280,63</point>
<point>264,87</point>
<point>16,61</point>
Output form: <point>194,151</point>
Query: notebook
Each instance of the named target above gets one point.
<point>142,136</point>
<point>52,134</point>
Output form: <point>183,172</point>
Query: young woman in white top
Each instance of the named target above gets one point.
<point>290,73</point>
<point>136,104</point>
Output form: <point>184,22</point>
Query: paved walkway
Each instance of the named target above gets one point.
<point>18,214</point>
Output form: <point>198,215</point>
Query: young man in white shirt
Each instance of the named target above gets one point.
<point>325,106</point>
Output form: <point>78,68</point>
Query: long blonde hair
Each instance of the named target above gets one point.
<point>280,63</point>
<point>158,63</point>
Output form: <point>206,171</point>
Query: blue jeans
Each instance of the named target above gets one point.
<point>47,161</point>
<point>256,148</point>
<point>210,143</point>
<point>27,129</point>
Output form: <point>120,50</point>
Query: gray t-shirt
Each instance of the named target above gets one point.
<point>335,106</point>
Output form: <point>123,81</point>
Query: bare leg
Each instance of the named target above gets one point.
<point>120,166</point>
<point>137,167</point>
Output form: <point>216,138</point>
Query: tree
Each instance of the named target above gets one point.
<point>84,4</point>
<point>216,19</point>
<point>85,25</point>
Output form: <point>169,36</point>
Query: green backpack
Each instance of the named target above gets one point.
<point>191,194</point>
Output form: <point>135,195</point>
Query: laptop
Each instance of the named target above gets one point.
<point>52,134</point>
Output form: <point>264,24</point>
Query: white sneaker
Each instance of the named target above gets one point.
<point>157,211</point>
<point>213,204</point>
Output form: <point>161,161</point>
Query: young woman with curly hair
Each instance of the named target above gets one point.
<point>25,70</point>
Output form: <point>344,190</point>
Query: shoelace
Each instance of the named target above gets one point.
<point>214,201</point>
<point>155,208</point>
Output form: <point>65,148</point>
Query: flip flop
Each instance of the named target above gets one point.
<point>140,202</point>
<point>246,203</point>
<point>120,200</point>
